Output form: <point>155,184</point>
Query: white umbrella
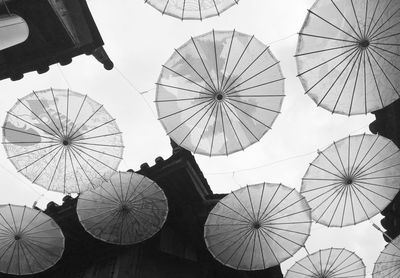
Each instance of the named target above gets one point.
<point>30,241</point>
<point>328,263</point>
<point>62,140</point>
<point>388,263</point>
<point>219,93</point>
<point>348,54</point>
<point>352,180</point>
<point>258,226</point>
<point>192,9</point>
<point>127,209</point>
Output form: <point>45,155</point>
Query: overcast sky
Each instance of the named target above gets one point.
<point>139,40</point>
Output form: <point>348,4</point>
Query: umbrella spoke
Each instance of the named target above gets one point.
<point>92,129</point>
<point>214,127</point>
<point>58,132</point>
<point>347,21</point>
<point>232,126</point>
<point>227,59</point>
<point>58,112</point>
<point>375,33</point>
<point>228,102</point>
<point>80,145</point>
<point>362,54</point>
<point>375,80</point>
<point>237,63</point>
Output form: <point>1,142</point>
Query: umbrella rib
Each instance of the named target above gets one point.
<point>387,51</point>
<point>247,114</point>
<point>183,9</point>
<point>216,8</point>
<point>365,82</point>
<point>200,15</point>
<point>384,37</point>
<point>107,215</point>
<point>229,89</point>
<point>334,68</point>
<point>28,142</point>
<point>326,38</point>
<point>374,33</point>
<point>181,99</point>
<point>47,164</point>
<point>237,62</point>
<point>215,126</point>
<point>90,130</point>
<point>133,198</point>
<point>355,170</point>
<point>83,170</point>
<point>335,190</point>
<point>77,115</point>
<point>384,73</point>
<point>333,25</point>
<point>347,21</point>
<point>29,133</point>
<point>55,169</point>
<point>254,249</point>
<point>284,216</point>
<point>336,268</point>
<point>340,158</point>
<point>324,50</point>
<point>184,77</point>
<point>233,94</point>
<point>337,79</point>
<point>211,104</point>
<point>67,116</point>
<point>233,128</point>
<point>101,145</point>
<point>361,55</point>
<point>243,237</point>
<point>269,216</point>
<point>29,123</point>
<point>364,172</point>
<point>352,270</point>
<point>365,19</point>
<point>98,136</point>
<point>136,187</point>
<point>251,203</point>
<point>327,261</point>
<point>227,59</point>
<point>263,215</point>
<point>47,112</point>
<point>377,185</point>
<point>39,247</point>
<point>231,234</point>
<point>261,249</point>
<point>238,213</point>
<point>356,17</point>
<point>359,201</point>
<point>345,205</point>
<point>335,260</point>
<point>286,230</point>
<point>249,238</point>
<point>79,150</point>
<point>269,246</point>
<point>261,200</point>
<point>227,217</point>
<point>347,79</point>
<point>58,147</point>
<point>372,30</point>
<point>322,187</point>
<point>281,236</point>
<point>58,112</point>
<point>223,132</point>
<point>374,38</point>
<point>11,257</point>
<point>343,192</point>
<point>83,124</point>
<point>216,61</point>
<point>115,190</point>
<point>185,109</point>
<point>73,169</point>
<point>376,193</point>
<point>372,19</point>
<point>26,257</point>
<point>30,250</point>
<point>361,170</point>
<point>353,49</point>
<point>32,151</point>
<point>270,200</point>
<point>243,206</point>
<point>184,89</point>
<point>38,225</point>
<point>327,171</point>
<point>213,88</point>
<point>93,150</point>
<point>255,137</point>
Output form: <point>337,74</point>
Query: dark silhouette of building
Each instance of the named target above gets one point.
<point>387,124</point>
<point>177,251</point>
<point>58,31</point>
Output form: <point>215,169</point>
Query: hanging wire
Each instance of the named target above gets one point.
<point>63,76</point>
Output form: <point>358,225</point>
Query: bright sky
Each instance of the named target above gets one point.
<point>139,40</point>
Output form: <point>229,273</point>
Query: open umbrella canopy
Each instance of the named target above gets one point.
<point>192,9</point>
<point>388,263</point>
<point>219,93</point>
<point>127,209</point>
<point>30,241</point>
<point>258,226</point>
<point>328,263</point>
<point>62,140</point>
<point>348,54</point>
<point>352,180</point>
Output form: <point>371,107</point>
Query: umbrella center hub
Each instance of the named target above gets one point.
<point>124,208</point>
<point>219,96</point>
<point>17,237</point>
<point>256,225</point>
<point>66,141</point>
<point>363,43</point>
<point>349,180</point>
